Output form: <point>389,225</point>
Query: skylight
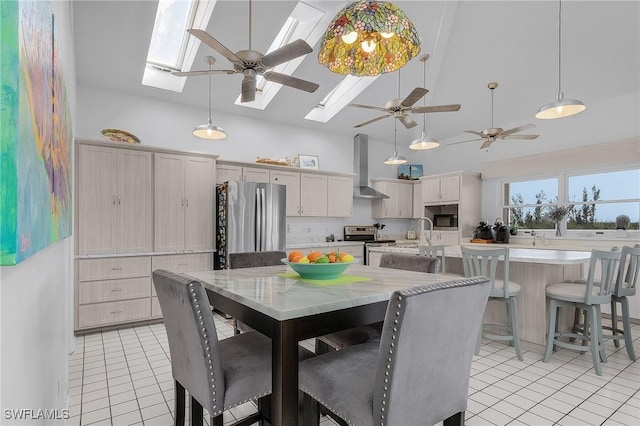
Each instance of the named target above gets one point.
<point>171,47</point>
<point>346,91</point>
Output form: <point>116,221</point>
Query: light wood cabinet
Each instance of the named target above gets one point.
<point>313,194</point>
<point>447,238</point>
<point>184,202</point>
<point>400,202</point>
<point>418,210</point>
<point>114,200</point>
<point>441,189</point>
<point>227,172</point>
<point>339,196</point>
<point>255,174</point>
<point>292,181</point>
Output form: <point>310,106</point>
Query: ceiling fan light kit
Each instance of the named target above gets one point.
<point>209,130</point>
<point>423,142</point>
<point>369,38</point>
<point>561,107</point>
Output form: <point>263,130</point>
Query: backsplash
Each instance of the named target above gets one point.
<point>303,230</point>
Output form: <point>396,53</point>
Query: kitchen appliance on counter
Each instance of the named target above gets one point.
<point>250,217</point>
<point>366,234</point>
<point>445,222</point>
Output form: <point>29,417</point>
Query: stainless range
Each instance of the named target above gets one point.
<point>366,234</point>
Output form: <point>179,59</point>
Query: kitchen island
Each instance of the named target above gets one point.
<point>533,269</point>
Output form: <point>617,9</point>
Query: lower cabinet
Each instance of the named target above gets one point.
<point>119,290</point>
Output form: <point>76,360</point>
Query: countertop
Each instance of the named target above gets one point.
<point>324,244</point>
<point>524,255</point>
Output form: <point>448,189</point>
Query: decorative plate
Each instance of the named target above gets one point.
<point>115,135</point>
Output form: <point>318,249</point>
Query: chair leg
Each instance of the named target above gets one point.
<point>322,347</point>
<point>595,353</point>
<point>551,331</point>
<point>513,323</point>
<point>587,330</point>
<point>216,421</point>
<point>311,411</point>
<point>626,328</point>
<point>196,413</point>
<point>179,404</point>
<point>509,323</point>
<point>456,420</point>
<point>599,335</point>
<point>264,409</point>
<point>614,322</point>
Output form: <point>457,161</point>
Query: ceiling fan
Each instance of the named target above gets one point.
<point>402,109</point>
<point>252,63</point>
<point>492,134</point>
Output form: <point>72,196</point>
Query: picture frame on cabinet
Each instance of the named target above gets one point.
<point>309,161</point>
<point>410,171</point>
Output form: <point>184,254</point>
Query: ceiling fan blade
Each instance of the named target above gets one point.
<point>436,108</point>
<point>367,106</point>
<point>207,72</point>
<point>518,129</point>
<point>407,121</point>
<point>487,143</point>
<point>372,121</point>
<point>473,132</point>
<point>288,80</point>
<point>529,137</point>
<point>214,44</point>
<point>248,89</point>
<point>468,140</point>
<point>413,97</point>
<point>286,53</point>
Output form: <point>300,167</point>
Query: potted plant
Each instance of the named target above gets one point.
<point>483,231</point>
<point>501,232</point>
<point>556,214</point>
<point>622,224</point>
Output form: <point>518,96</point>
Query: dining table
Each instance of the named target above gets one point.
<point>274,301</point>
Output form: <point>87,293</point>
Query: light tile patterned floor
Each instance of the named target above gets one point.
<point>123,377</point>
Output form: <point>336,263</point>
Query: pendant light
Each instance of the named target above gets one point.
<point>395,158</point>
<point>209,130</point>
<point>423,142</point>
<point>561,107</point>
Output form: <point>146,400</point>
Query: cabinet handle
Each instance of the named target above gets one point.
<point>114,200</point>
<point>118,200</point>
<point>116,312</point>
<point>186,202</point>
<point>117,268</point>
<point>301,209</point>
<point>116,289</point>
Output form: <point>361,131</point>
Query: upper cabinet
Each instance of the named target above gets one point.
<point>114,211</point>
<point>339,196</point>
<point>227,172</point>
<point>313,194</point>
<point>399,205</point>
<point>443,189</point>
<point>184,202</point>
<point>292,181</point>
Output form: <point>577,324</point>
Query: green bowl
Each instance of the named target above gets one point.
<point>318,271</point>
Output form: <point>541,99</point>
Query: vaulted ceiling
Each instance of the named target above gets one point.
<point>471,43</point>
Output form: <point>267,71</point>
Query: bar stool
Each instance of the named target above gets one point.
<point>436,252</point>
<point>485,262</point>
<point>587,297</point>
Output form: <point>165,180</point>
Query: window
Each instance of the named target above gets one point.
<point>594,201</point>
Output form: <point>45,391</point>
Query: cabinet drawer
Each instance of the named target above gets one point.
<point>113,268</point>
<point>113,312</point>
<point>156,312</point>
<point>183,262</point>
<point>111,290</point>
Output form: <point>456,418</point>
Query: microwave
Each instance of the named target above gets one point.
<point>445,222</point>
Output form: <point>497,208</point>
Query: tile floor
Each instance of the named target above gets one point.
<point>123,377</point>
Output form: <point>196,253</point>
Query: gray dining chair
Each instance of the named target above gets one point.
<point>253,259</point>
<point>416,374</point>
<point>485,262</point>
<point>357,335</point>
<point>434,251</point>
<point>586,297</point>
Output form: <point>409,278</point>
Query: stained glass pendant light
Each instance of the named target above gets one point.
<point>424,142</point>
<point>209,130</point>
<point>368,38</point>
<point>395,158</point>
<point>561,107</point>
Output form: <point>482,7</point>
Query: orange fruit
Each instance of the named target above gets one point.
<point>294,254</point>
<point>341,256</point>
<point>332,258</point>
<point>313,256</point>
<point>296,258</point>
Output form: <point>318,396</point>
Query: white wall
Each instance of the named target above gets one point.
<point>35,295</point>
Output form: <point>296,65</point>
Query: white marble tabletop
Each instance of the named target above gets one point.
<point>285,298</point>
<point>545,256</point>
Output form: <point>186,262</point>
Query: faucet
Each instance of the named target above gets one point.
<point>423,233</point>
<point>533,234</point>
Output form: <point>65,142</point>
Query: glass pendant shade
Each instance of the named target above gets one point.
<point>368,38</point>
<point>424,142</point>
<point>209,131</point>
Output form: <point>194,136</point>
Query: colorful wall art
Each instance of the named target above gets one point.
<point>35,134</point>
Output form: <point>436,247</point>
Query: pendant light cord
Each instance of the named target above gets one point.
<point>209,92</point>
<point>424,98</point>
<point>249,24</point>
<point>395,137</point>
<point>492,107</point>
<point>559,46</point>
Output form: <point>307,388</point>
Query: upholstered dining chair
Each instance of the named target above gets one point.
<point>415,375</point>
<point>357,335</point>
<point>586,297</point>
<point>485,262</point>
<point>253,259</point>
<point>434,251</point>
<point>218,374</point>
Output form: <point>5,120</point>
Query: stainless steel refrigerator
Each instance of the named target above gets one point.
<point>250,217</point>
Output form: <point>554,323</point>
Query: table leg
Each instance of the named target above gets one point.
<point>285,375</point>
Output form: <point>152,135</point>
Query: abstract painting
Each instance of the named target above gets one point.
<point>35,136</point>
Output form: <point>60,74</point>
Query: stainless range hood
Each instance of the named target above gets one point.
<point>361,168</point>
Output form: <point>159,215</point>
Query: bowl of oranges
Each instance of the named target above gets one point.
<point>318,266</point>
